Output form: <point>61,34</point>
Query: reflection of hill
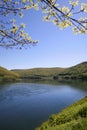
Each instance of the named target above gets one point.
<point>77,84</point>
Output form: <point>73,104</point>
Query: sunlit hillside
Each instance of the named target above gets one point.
<point>76,72</point>
<point>39,73</point>
<point>72,118</point>
<point>7,75</point>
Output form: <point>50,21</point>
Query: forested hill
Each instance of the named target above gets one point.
<point>76,72</point>
<point>7,75</point>
<point>39,73</point>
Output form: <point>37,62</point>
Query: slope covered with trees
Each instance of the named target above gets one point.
<point>39,73</point>
<point>76,72</point>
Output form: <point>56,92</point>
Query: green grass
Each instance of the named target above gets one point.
<point>7,75</point>
<point>72,118</point>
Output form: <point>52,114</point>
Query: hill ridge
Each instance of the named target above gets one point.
<point>78,71</point>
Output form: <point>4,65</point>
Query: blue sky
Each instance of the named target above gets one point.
<point>56,48</point>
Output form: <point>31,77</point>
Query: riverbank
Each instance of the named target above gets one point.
<point>72,118</point>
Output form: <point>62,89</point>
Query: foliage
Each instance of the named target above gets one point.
<point>8,78</point>
<point>6,75</point>
<point>13,35</point>
<point>59,74</point>
<point>40,73</point>
<point>76,72</point>
<point>72,118</point>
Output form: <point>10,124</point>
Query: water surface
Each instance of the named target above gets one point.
<point>24,106</point>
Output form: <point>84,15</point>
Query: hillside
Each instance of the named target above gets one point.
<point>7,75</point>
<point>72,118</point>
<point>39,73</point>
<point>76,72</point>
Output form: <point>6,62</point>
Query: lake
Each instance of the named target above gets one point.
<point>24,106</point>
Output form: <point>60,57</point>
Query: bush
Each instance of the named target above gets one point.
<point>9,78</point>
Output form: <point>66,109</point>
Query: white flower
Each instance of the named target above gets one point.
<point>46,18</point>
<point>23,25</point>
<point>74,3</point>
<point>14,29</point>
<point>65,24</point>
<point>36,7</point>
<point>55,22</point>
<point>65,9</point>
<point>84,7</point>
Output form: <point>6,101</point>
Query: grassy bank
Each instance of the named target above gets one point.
<point>72,118</point>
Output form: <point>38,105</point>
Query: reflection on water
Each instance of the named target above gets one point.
<point>24,106</point>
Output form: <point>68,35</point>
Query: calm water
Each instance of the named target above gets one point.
<point>24,106</point>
